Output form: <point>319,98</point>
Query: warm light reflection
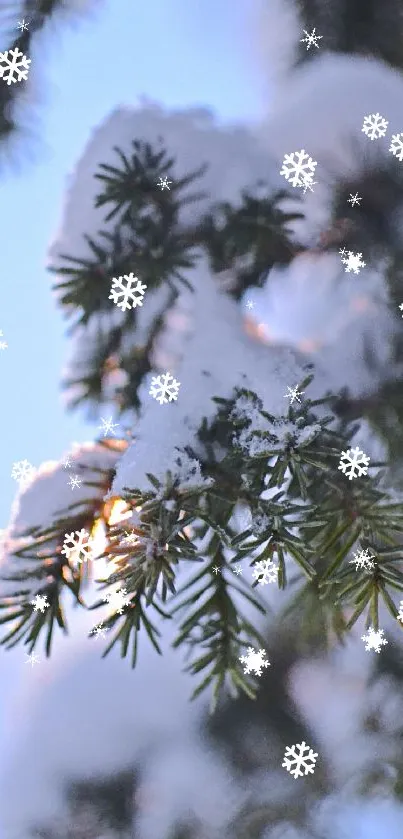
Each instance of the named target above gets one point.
<point>114,512</point>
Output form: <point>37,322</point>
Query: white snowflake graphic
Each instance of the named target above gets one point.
<point>400,612</point>
<point>311,39</point>
<point>99,630</point>
<point>3,345</point>
<point>32,659</point>
<point>78,546</point>
<point>127,296</point>
<point>354,199</point>
<point>352,261</point>
<point>22,472</point>
<point>14,66</point>
<point>296,760</point>
<point>254,661</point>
<point>293,394</point>
<point>108,426</point>
<point>67,463</point>
<point>265,572</point>
<point>363,559</point>
<point>22,25</point>
<point>163,183</point>
<point>164,388</point>
<point>354,463</point>
<point>298,168</point>
<point>374,639</point>
<point>250,304</point>
<point>374,126</point>
<point>117,600</point>
<point>40,603</point>
<point>401,308</point>
<point>309,184</point>
<point>237,570</point>
<point>396,146</point>
<point>75,481</point>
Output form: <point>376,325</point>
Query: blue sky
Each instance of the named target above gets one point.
<point>177,53</point>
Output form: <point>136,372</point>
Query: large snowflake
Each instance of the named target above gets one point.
<point>78,546</point>
<point>363,559</point>
<point>396,146</point>
<point>354,463</point>
<point>374,126</point>
<point>14,66</point>
<point>40,603</point>
<point>164,388</point>
<point>296,760</point>
<point>352,261</point>
<point>127,296</point>
<point>265,572</point>
<point>374,639</point>
<point>22,472</point>
<point>254,661</point>
<point>298,168</point>
<point>117,600</point>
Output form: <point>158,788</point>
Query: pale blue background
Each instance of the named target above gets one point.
<point>79,73</point>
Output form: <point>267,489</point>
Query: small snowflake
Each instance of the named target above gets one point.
<point>75,481</point>
<point>266,571</point>
<point>78,546</point>
<point>237,570</point>
<point>250,304</point>
<point>131,294</point>
<point>354,463</point>
<point>22,25</point>
<point>254,661</point>
<point>16,66</point>
<point>40,603</point>
<point>400,612</point>
<point>363,559</point>
<point>164,388</point>
<point>296,760</point>
<point>216,569</point>
<point>293,394</point>
<point>311,39</point>
<point>32,659</point>
<point>163,183</point>
<point>3,345</point>
<point>354,199</point>
<point>401,308</point>
<point>374,639</point>
<point>309,184</point>
<point>396,146</point>
<point>374,126</point>
<point>352,261</point>
<point>298,168</point>
<point>117,600</point>
<point>108,426</point>
<point>22,472</point>
<point>67,463</point>
<point>99,630</point>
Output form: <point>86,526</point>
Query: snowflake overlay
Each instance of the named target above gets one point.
<point>374,126</point>
<point>163,183</point>
<point>108,426</point>
<point>40,603</point>
<point>78,546</point>
<point>32,659</point>
<point>354,199</point>
<point>298,168</point>
<point>400,612</point>
<point>16,66</point>
<point>117,600</point>
<point>396,146</point>
<point>131,294</point>
<point>265,572</point>
<point>311,39</point>
<point>254,661</point>
<point>374,639</point>
<point>3,344</point>
<point>22,472</point>
<point>354,463</point>
<point>293,394</point>
<point>99,630</point>
<point>352,261</point>
<point>363,559</point>
<point>164,388</point>
<point>75,481</point>
<point>296,760</point>
<point>401,308</point>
